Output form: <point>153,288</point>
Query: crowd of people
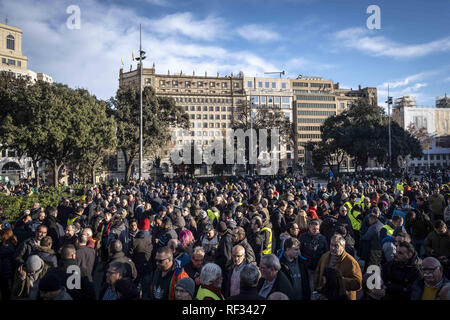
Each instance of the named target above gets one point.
<point>254,238</point>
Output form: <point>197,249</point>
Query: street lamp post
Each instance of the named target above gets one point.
<point>141,57</point>
<point>389,102</point>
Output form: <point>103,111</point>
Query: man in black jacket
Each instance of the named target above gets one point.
<point>238,236</point>
<point>67,271</point>
<point>55,229</point>
<point>24,250</point>
<point>85,254</point>
<point>223,253</point>
<point>272,280</point>
<point>399,275</point>
<point>294,267</point>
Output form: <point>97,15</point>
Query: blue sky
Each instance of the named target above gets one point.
<point>327,38</point>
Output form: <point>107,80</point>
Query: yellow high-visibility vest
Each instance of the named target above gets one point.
<point>268,250</point>
<point>389,229</point>
<point>203,293</point>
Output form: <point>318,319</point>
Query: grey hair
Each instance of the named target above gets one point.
<point>271,261</point>
<point>210,273</point>
<point>339,238</point>
<point>249,276</point>
<point>199,250</point>
<point>88,231</point>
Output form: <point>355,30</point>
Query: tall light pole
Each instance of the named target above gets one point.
<point>141,57</point>
<point>389,102</point>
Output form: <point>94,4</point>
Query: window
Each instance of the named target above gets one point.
<point>249,84</point>
<point>188,84</point>
<point>205,125</point>
<point>205,108</point>
<point>199,108</point>
<point>199,116</point>
<point>276,100</point>
<point>147,80</point>
<point>260,84</point>
<point>254,99</point>
<point>321,98</point>
<point>192,108</point>
<point>175,83</point>
<point>10,42</point>
<point>200,84</point>
<point>4,60</point>
<point>162,83</point>
<point>11,153</point>
<point>224,109</point>
<point>211,117</point>
<point>321,85</point>
<point>192,116</point>
<point>285,99</point>
<point>438,157</point>
<point>19,63</point>
<point>300,84</point>
<point>432,157</point>
<point>224,125</point>
<point>217,116</point>
<point>224,85</point>
<point>269,100</point>
<point>224,117</point>
<point>11,62</point>
<point>263,100</point>
<point>212,84</point>
<point>217,109</point>
<point>283,85</point>
<point>3,153</point>
<point>267,84</point>
<point>236,85</point>
<point>274,85</point>
<point>211,108</point>
<point>342,105</point>
<point>229,109</point>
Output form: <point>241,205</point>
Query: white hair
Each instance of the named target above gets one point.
<point>210,273</point>
<point>199,250</point>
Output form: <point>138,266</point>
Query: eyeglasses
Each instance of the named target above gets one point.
<point>160,260</point>
<point>428,269</point>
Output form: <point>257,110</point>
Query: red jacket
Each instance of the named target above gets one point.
<point>312,214</point>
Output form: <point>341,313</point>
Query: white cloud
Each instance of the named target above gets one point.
<point>259,33</point>
<point>90,57</point>
<point>210,28</point>
<point>366,41</point>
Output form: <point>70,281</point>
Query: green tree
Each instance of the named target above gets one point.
<point>264,117</point>
<point>160,115</point>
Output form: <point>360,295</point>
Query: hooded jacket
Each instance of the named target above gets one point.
<point>302,266</point>
<point>46,254</point>
<point>140,250</point>
<point>312,248</point>
<point>399,278</point>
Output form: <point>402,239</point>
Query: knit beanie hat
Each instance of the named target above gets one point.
<point>187,284</point>
<point>34,263</point>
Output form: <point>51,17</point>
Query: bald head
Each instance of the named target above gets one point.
<point>432,271</point>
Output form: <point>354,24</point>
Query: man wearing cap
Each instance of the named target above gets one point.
<point>185,289</point>
<point>140,250</point>
<point>27,277</point>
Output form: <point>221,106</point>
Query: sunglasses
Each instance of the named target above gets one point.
<point>160,260</point>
